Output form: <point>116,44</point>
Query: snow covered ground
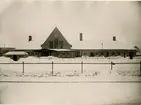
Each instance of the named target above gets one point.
<point>98,85</point>
<point>70,93</point>
<point>71,70</point>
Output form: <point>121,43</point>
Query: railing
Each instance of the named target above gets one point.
<point>82,65</point>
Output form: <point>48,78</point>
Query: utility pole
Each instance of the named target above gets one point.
<point>102,48</point>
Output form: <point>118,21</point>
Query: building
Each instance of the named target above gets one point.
<point>106,49</point>
<point>57,45</point>
<point>54,45</point>
<point>5,50</point>
<point>56,41</point>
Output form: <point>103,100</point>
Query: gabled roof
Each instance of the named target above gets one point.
<point>53,33</point>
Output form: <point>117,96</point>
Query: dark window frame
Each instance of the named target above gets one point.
<point>113,53</point>
<point>50,44</point>
<point>61,44</point>
<point>56,43</point>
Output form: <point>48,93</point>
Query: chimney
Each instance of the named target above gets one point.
<point>81,36</point>
<point>114,38</point>
<point>29,38</point>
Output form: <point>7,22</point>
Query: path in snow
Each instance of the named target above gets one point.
<point>70,93</point>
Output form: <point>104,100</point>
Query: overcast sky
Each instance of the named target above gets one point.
<point>96,20</point>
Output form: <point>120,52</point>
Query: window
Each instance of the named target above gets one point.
<point>84,53</point>
<point>118,53</point>
<point>113,53</point>
<point>61,44</point>
<point>101,53</point>
<point>56,43</point>
<point>77,54</point>
<point>107,54</point>
<point>63,53</point>
<point>50,44</point>
<point>67,53</point>
<point>91,54</point>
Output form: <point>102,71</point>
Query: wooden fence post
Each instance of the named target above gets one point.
<point>52,68</point>
<point>140,68</point>
<point>23,67</point>
<point>111,65</point>
<point>82,67</point>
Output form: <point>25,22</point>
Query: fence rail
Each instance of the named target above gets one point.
<point>75,63</point>
<point>111,64</point>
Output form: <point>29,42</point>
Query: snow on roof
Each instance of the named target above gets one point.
<point>85,45</point>
<point>91,44</point>
<point>61,49</point>
<point>117,45</point>
<point>30,45</point>
<point>16,53</point>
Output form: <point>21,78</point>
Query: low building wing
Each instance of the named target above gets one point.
<point>15,53</point>
<point>110,45</point>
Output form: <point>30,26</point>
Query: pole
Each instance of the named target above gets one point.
<point>140,68</point>
<point>102,49</point>
<point>111,65</point>
<point>52,68</point>
<point>23,68</point>
<point>82,67</point>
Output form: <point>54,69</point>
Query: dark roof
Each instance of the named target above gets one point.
<point>56,31</point>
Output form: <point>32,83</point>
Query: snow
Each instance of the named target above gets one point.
<point>94,44</point>
<point>70,93</point>
<point>16,53</point>
<point>68,85</point>
<point>35,44</point>
<point>70,67</point>
<point>61,49</point>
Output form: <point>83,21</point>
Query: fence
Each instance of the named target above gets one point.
<point>81,65</point>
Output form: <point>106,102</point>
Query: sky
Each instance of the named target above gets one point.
<point>97,20</point>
